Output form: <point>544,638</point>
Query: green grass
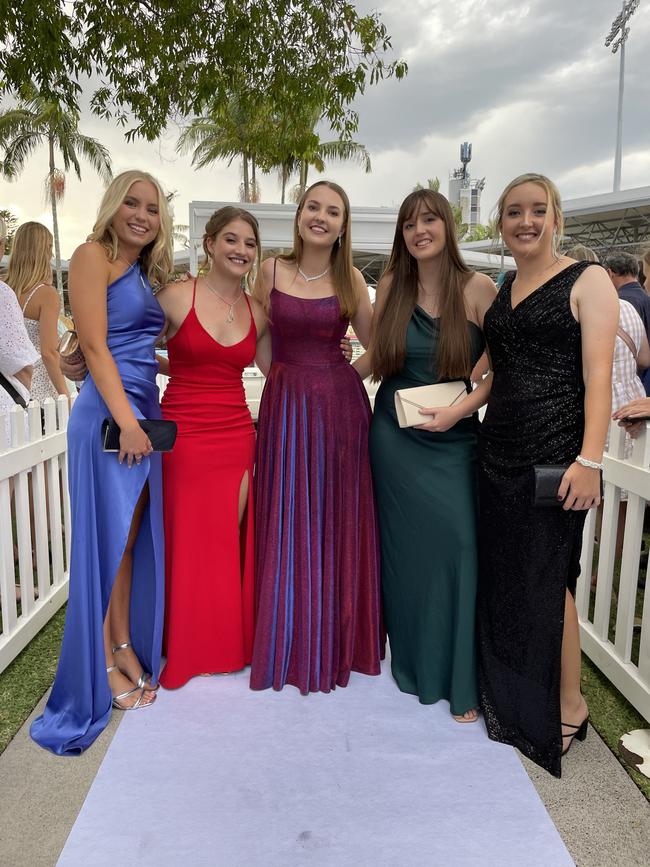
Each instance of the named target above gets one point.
<point>24,682</point>
<point>611,715</point>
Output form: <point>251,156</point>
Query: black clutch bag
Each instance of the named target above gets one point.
<point>161,433</point>
<point>548,479</point>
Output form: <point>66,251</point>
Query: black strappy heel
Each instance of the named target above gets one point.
<point>580,733</point>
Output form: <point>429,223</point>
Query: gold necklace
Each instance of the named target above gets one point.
<point>230,305</point>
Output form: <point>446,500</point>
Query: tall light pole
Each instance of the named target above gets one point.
<point>618,35</point>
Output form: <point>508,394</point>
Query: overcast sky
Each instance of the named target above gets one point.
<point>530,84</point>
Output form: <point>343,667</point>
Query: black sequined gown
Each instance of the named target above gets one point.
<point>528,555</point>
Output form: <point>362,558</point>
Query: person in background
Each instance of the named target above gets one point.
<point>623,269</point>
<point>644,271</point>
<point>631,353</point>
<point>30,276</point>
<point>17,353</point>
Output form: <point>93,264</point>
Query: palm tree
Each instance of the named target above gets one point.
<point>432,184</point>
<point>226,133</point>
<point>306,150</point>
<point>349,151</point>
<point>35,122</point>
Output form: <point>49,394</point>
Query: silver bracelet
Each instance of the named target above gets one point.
<point>592,465</point>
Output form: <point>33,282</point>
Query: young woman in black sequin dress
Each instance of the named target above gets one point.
<point>550,335</point>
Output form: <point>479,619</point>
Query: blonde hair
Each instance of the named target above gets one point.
<point>553,200</point>
<point>30,262</point>
<point>157,258</point>
<point>581,253</point>
<point>220,220</point>
<point>340,258</point>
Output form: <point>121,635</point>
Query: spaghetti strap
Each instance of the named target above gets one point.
<point>250,309</point>
<point>29,297</point>
<point>194,292</point>
<point>275,265</point>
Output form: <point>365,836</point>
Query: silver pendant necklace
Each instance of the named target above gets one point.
<point>230,305</point>
<point>311,279</point>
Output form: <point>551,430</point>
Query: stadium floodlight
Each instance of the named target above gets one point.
<point>617,37</point>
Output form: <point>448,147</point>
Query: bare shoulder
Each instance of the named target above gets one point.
<point>359,282</point>
<point>177,288</point>
<point>480,287</point>
<point>48,295</point>
<point>90,253</point>
<point>594,278</point>
<point>271,264</point>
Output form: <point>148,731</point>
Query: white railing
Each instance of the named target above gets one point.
<point>34,505</point>
<point>616,644</point>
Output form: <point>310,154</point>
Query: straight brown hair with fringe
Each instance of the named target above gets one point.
<point>389,339</point>
<point>340,259</point>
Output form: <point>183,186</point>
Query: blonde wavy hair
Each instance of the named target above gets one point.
<point>157,258</point>
<point>553,200</point>
<point>340,259</point>
<point>30,262</point>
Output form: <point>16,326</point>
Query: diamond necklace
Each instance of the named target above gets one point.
<point>231,306</point>
<point>317,277</point>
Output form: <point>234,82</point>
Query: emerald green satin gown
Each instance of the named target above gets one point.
<point>426,491</point>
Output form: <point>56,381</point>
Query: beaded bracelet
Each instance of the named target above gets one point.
<point>592,465</point>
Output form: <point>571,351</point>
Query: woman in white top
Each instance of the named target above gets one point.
<point>30,276</point>
<point>17,354</point>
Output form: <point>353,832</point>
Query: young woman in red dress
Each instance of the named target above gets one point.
<point>215,330</point>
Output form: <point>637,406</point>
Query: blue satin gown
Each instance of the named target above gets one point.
<point>103,496</point>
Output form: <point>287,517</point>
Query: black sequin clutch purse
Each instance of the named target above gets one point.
<point>548,479</point>
<point>161,433</point>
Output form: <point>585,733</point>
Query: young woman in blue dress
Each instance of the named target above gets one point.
<point>110,654</point>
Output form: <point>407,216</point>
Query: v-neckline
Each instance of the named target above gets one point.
<point>537,288</point>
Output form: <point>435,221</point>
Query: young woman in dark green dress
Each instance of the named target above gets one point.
<point>428,328</point>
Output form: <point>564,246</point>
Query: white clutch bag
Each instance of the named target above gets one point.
<point>408,401</point>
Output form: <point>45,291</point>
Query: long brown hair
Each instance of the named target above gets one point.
<point>340,259</point>
<point>218,222</point>
<point>389,338</point>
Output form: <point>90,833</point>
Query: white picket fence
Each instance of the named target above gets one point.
<point>35,517</point>
<point>34,522</point>
<point>607,624</point>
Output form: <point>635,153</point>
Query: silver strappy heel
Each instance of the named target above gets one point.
<point>145,678</point>
<point>139,703</point>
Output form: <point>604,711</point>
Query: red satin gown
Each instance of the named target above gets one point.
<point>208,557</point>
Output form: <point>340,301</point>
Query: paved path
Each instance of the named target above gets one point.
<point>600,814</point>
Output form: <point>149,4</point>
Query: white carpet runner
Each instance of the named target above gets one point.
<point>214,775</point>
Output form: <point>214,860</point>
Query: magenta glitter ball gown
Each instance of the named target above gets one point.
<point>317,584</point>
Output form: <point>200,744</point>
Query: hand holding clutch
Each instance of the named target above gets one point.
<point>409,401</point>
